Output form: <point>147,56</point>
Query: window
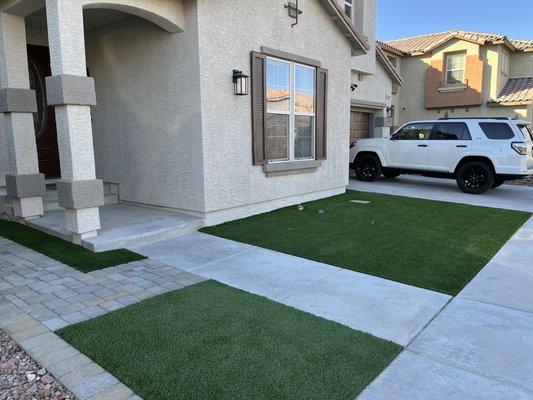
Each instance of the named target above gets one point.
<point>348,8</point>
<point>393,61</point>
<point>497,130</point>
<point>504,63</point>
<point>290,114</point>
<point>452,131</point>
<point>455,68</point>
<point>420,131</point>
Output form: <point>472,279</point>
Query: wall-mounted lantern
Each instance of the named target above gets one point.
<point>390,111</point>
<point>240,83</point>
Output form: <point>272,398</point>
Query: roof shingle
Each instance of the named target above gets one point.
<point>425,43</point>
<point>516,90</point>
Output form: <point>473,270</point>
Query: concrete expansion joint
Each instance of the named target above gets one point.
<point>310,285</point>
<point>439,312</point>
<point>472,371</point>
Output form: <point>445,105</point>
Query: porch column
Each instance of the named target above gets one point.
<point>25,185</point>
<point>72,93</point>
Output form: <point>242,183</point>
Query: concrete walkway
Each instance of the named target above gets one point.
<point>481,345</point>
<point>386,309</point>
<point>507,196</point>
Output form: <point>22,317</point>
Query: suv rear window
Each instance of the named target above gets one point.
<point>497,130</point>
<point>452,131</point>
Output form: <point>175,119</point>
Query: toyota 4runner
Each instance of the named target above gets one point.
<point>479,153</point>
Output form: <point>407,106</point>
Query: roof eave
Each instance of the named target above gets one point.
<point>359,43</point>
<point>509,103</point>
<point>391,71</point>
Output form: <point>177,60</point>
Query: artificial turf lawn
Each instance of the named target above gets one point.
<point>63,251</point>
<point>434,245</point>
<point>210,341</point>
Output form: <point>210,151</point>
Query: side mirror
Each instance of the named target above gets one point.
<point>394,137</point>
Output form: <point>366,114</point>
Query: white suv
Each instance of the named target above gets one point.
<point>480,153</point>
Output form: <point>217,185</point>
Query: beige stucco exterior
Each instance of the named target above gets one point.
<point>167,128</point>
<point>410,103</point>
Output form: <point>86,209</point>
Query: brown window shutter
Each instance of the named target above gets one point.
<point>258,108</point>
<point>321,113</point>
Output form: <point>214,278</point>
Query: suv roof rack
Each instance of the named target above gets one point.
<point>500,118</point>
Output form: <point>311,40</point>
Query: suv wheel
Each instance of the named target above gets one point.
<point>367,167</point>
<point>475,177</point>
<point>498,182</point>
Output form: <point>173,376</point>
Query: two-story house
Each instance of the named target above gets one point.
<point>214,110</point>
<point>460,74</point>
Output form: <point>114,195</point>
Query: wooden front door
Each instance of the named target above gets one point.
<point>359,125</point>
<point>45,119</point>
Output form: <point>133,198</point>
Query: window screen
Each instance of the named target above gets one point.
<point>497,130</point>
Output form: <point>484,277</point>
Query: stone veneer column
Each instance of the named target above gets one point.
<point>25,185</point>
<point>72,93</point>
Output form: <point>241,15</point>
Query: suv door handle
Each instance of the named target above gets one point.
<point>461,145</point>
<point>422,145</point>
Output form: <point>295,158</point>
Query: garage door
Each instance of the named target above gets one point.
<point>359,125</point>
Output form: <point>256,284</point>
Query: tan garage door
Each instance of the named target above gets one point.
<point>359,125</point>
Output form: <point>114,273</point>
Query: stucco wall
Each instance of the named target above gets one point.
<point>3,153</point>
<point>366,24</point>
<point>147,125</point>
<point>374,88</point>
<point>521,65</point>
<point>230,178</point>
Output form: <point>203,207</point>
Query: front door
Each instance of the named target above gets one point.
<point>359,126</point>
<point>44,120</point>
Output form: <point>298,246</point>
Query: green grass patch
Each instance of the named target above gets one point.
<point>63,251</point>
<point>210,341</point>
<point>434,245</point>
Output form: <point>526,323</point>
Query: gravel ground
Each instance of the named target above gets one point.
<point>21,378</point>
<point>523,182</point>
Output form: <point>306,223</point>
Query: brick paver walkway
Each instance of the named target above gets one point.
<point>57,295</point>
<point>39,295</point>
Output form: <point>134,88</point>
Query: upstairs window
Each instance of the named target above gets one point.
<point>348,8</point>
<point>504,63</point>
<point>455,68</point>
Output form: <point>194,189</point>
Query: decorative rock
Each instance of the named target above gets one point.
<point>18,379</point>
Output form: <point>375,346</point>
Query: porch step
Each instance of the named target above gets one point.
<point>50,201</point>
<point>143,233</point>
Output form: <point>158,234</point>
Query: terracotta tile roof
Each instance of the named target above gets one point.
<point>516,90</point>
<point>389,68</point>
<point>425,43</point>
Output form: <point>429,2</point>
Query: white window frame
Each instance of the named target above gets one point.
<point>293,114</point>
<point>349,4</point>
<point>456,69</point>
<point>504,63</point>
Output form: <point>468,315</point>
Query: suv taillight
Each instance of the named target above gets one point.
<point>520,148</point>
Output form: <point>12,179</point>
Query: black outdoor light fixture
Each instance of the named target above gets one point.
<point>240,83</point>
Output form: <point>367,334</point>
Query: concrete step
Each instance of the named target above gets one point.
<point>143,233</point>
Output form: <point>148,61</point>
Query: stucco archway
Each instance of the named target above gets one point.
<point>167,14</point>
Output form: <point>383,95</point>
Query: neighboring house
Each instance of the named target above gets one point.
<point>460,73</point>
<point>141,96</point>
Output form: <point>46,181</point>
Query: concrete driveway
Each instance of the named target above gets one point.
<point>507,196</point>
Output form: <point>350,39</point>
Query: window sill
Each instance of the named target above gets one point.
<point>291,167</point>
<point>453,88</point>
